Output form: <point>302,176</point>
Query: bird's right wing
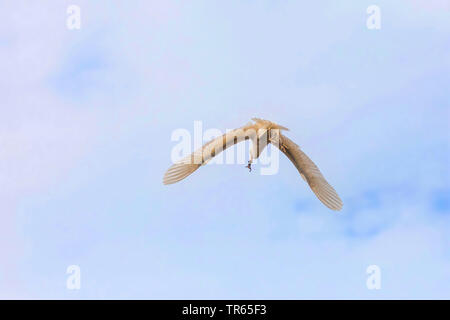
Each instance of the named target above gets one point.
<point>311,173</point>
<point>201,156</point>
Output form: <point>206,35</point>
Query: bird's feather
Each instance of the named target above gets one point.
<point>311,173</point>
<point>189,164</point>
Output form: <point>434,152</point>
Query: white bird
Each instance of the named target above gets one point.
<point>261,133</point>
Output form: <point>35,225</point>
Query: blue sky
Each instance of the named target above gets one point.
<point>87,117</point>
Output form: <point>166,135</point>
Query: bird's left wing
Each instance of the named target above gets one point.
<point>201,156</point>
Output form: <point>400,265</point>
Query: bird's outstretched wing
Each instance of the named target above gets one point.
<point>201,156</point>
<point>309,171</point>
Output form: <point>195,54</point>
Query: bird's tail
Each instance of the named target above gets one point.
<point>273,125</point>
<point>277,126</point>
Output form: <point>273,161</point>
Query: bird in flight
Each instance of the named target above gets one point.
<point>261,133</point>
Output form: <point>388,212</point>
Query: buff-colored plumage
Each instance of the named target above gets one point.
<point>266,132</point>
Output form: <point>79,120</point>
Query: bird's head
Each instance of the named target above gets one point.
<point>266,124</point>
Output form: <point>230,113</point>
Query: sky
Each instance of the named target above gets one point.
<point>85,138</point>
